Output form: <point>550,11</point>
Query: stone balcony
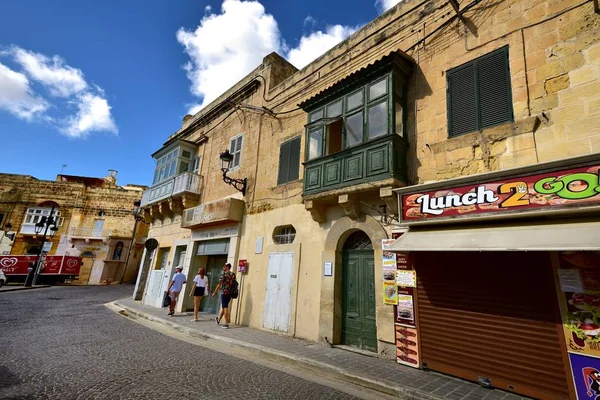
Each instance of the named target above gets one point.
<point>172,196</point>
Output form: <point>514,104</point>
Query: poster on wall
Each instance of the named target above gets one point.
<point>390,293</point>
<point>586,375</point>
<point>407,346</point>
<point>406,278</point>
<point>579,292</point>
<point>386,243</point>
<point>405,310</point>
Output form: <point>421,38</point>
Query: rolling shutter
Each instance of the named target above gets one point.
<point>462,102</point>
<point>495,99</point>
<point>492,315</point>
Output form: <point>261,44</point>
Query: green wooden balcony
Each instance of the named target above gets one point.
<point>380,159</point>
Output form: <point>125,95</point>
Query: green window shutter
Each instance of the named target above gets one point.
<point>284,163</point>
<point>294,169</point>
<point>495,99</point>
<point>462,100</point>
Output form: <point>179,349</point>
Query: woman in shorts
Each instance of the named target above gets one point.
<point>198,289</point>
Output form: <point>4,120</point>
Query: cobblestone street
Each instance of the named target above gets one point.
<point>62,343</point>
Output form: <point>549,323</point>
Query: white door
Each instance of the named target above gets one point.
<point>278,296</point>
<point>154,284</point>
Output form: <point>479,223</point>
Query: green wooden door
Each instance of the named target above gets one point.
<point>358,309</point>
<point>214,269</point>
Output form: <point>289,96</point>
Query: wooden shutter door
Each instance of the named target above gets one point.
<point>462,102</point>
<point>493,315</point>
<point>284,163</point>
<point>294,169</point>
<point>495,98</point>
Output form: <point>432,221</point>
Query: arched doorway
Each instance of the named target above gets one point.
<point>359,327</point>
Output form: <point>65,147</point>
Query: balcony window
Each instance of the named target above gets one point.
<point>35,214</point>
<point>173,162</point>
<point>356,117</point>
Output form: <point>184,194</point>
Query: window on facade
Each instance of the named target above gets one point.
<point>1,219</point>
<point>479,94</point>
<point>235,148</point>
<point>98,228</point>
<point>289,161</point>
<point>284,234</point>
<point>35,214</point>
<point>352,119</point>
<point>174,162</point>
<point>163,257</point>
<point>196,163</point>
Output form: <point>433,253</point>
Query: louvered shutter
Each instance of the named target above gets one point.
<point>495,100</point>
<point>462,100</point>
<point>294,160</point>
<point>284,163</point>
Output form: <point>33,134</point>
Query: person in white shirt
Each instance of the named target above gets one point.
<point>199,289</point>
<point>175,288</point>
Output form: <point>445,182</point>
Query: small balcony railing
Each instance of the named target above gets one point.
<point>185,183</point>
<point>83,232</point>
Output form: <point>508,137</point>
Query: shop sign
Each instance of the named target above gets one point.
<point>71,265</point>
<point>242,266</point>
<point>57,265</point>
<point>214,233</point>
<point>51,265</point>
<point>16,265</point>
<point>560,189</point>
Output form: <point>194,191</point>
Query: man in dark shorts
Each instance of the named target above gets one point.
<point>225,283</point>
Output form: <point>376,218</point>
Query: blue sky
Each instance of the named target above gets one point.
<point>100,85</point>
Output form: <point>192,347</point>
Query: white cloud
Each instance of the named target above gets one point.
<point>61,79</point>
<point>225,47</point>
<point>84,105</point>
<point>16,96</point>
<point>93,115</point>
<point>384,5</point>
<point>317,43</point>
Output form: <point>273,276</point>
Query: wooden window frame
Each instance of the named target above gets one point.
<point>324,121</point>
<point>288,178</point>
<point>233,153</point>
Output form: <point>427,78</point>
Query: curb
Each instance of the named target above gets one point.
<point>16,288</point>
<point>307,363</point>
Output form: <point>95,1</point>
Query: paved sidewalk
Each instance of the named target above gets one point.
<point>375,373</point>
<point>12,288</point>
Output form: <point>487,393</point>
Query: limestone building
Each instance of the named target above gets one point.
<point>427,92</point>
<point>94,220</point>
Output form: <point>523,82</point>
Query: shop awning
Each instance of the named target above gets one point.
<point>544,237</point>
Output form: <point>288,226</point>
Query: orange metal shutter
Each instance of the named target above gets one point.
<point>494,315</point>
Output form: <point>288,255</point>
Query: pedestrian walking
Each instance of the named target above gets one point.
<point>175,288</point>
<point>226,283</point>
<point>199,288</point>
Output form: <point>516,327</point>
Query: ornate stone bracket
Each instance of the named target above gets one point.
<point>190,200</point>
<point>350,205</point>
<point>165,210</point>
<point>155,212</point>
<point>147,215</point>
<point>317,211</point>
<point>176,205</point>
<point>390,199</point>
